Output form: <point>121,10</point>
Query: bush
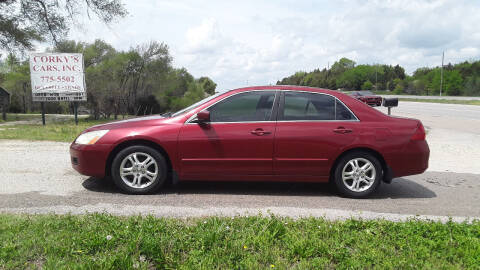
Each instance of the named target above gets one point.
<point>398,89</point>
<point>367,85</point>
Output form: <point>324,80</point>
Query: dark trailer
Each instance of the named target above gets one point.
<point>4,101</point>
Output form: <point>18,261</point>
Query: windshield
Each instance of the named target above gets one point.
<point>193,106</point>
<point>365,93</point>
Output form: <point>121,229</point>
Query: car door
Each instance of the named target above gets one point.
<point>238,141</point>
<point>312,129</point>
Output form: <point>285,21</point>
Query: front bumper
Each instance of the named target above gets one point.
<point>89,160</point>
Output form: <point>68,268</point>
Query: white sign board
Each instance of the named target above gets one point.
<point>57,77</point>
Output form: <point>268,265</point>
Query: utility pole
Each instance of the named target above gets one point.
<point>328,68</point>
<point>441,74</point>
<point>376,87</point>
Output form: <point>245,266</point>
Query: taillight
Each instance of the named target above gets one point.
<point>419,134</point>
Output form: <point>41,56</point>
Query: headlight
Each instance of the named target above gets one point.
<point>90,137</point>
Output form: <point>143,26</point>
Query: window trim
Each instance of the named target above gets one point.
<point>273,114</point>
<point>282,111</point>
<point>277,108</point>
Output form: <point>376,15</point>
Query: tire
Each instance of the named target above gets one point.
<point>352,169</point>
<point>145,170</point>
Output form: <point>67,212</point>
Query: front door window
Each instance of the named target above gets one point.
<point>245,107</point>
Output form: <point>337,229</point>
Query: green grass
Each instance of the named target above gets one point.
<point>100,241</point>
<point>444,101</point>
<point>64,131</point>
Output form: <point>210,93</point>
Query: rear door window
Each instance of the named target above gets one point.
<point>302,106</point>
<point>308,106</point>
<point>342,112</point>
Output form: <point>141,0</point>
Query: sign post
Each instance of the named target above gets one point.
<point>57,77</point>
<point>43,112</point>
<point>75,111</point>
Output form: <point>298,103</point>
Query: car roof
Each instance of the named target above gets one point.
<point>360,109</point>
<point>287,87</point>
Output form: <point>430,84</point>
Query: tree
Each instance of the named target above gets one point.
<point>399,72</point>
<point>23,22</point>
<point>194,93</point>
<point>419,86</point>
<point>295,79</point>
<point>368,85</point>
<point>398,89</point>
<point>354,78</point>
<point>208,85</point>
<point>452,82</point>
<point>459,79</point>
<point>342,65</point>
<point>472,86</point>
<point>138,81</point>
<point>68,46</point>
<point>17,80</point>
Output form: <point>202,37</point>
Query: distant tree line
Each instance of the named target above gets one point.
<point>139,81</point>
<point>459,79</point>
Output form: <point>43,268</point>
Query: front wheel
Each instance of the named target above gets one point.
<point>358,174</point>
<point>139,169</point>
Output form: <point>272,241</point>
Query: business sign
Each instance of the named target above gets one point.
<point>57,77</point>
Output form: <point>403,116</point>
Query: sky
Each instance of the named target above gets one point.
<point>255,42</point>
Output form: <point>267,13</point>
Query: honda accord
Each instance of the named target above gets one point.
<point>267,133</point>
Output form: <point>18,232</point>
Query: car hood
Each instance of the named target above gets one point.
<point>134,122</point>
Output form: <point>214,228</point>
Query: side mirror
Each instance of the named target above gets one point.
<point>203,117</point>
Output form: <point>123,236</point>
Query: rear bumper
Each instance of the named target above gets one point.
<point>412,160</point>
<point>89,160</point>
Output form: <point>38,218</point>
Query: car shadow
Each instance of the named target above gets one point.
<point>398,189</point>
<point>104,185</point>
<point>402,188</point>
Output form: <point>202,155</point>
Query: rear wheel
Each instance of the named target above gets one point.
<point>139,170</point>
<point>358,174</point>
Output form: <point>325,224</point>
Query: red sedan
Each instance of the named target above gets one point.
<point>367,97</point>
<point>267,133</point>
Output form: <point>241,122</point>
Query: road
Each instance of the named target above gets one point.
<point>42,181</point>
<point>432,97</point>
<point>440,115</point>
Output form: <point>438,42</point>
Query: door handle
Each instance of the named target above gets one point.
<point>342,130</point>
<point>260,132</point>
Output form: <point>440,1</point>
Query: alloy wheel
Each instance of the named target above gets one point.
<point>138,170</point>
<point>358,174</point>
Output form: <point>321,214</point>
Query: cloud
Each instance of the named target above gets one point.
<point>204,38</point>
<point>258,42</point>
